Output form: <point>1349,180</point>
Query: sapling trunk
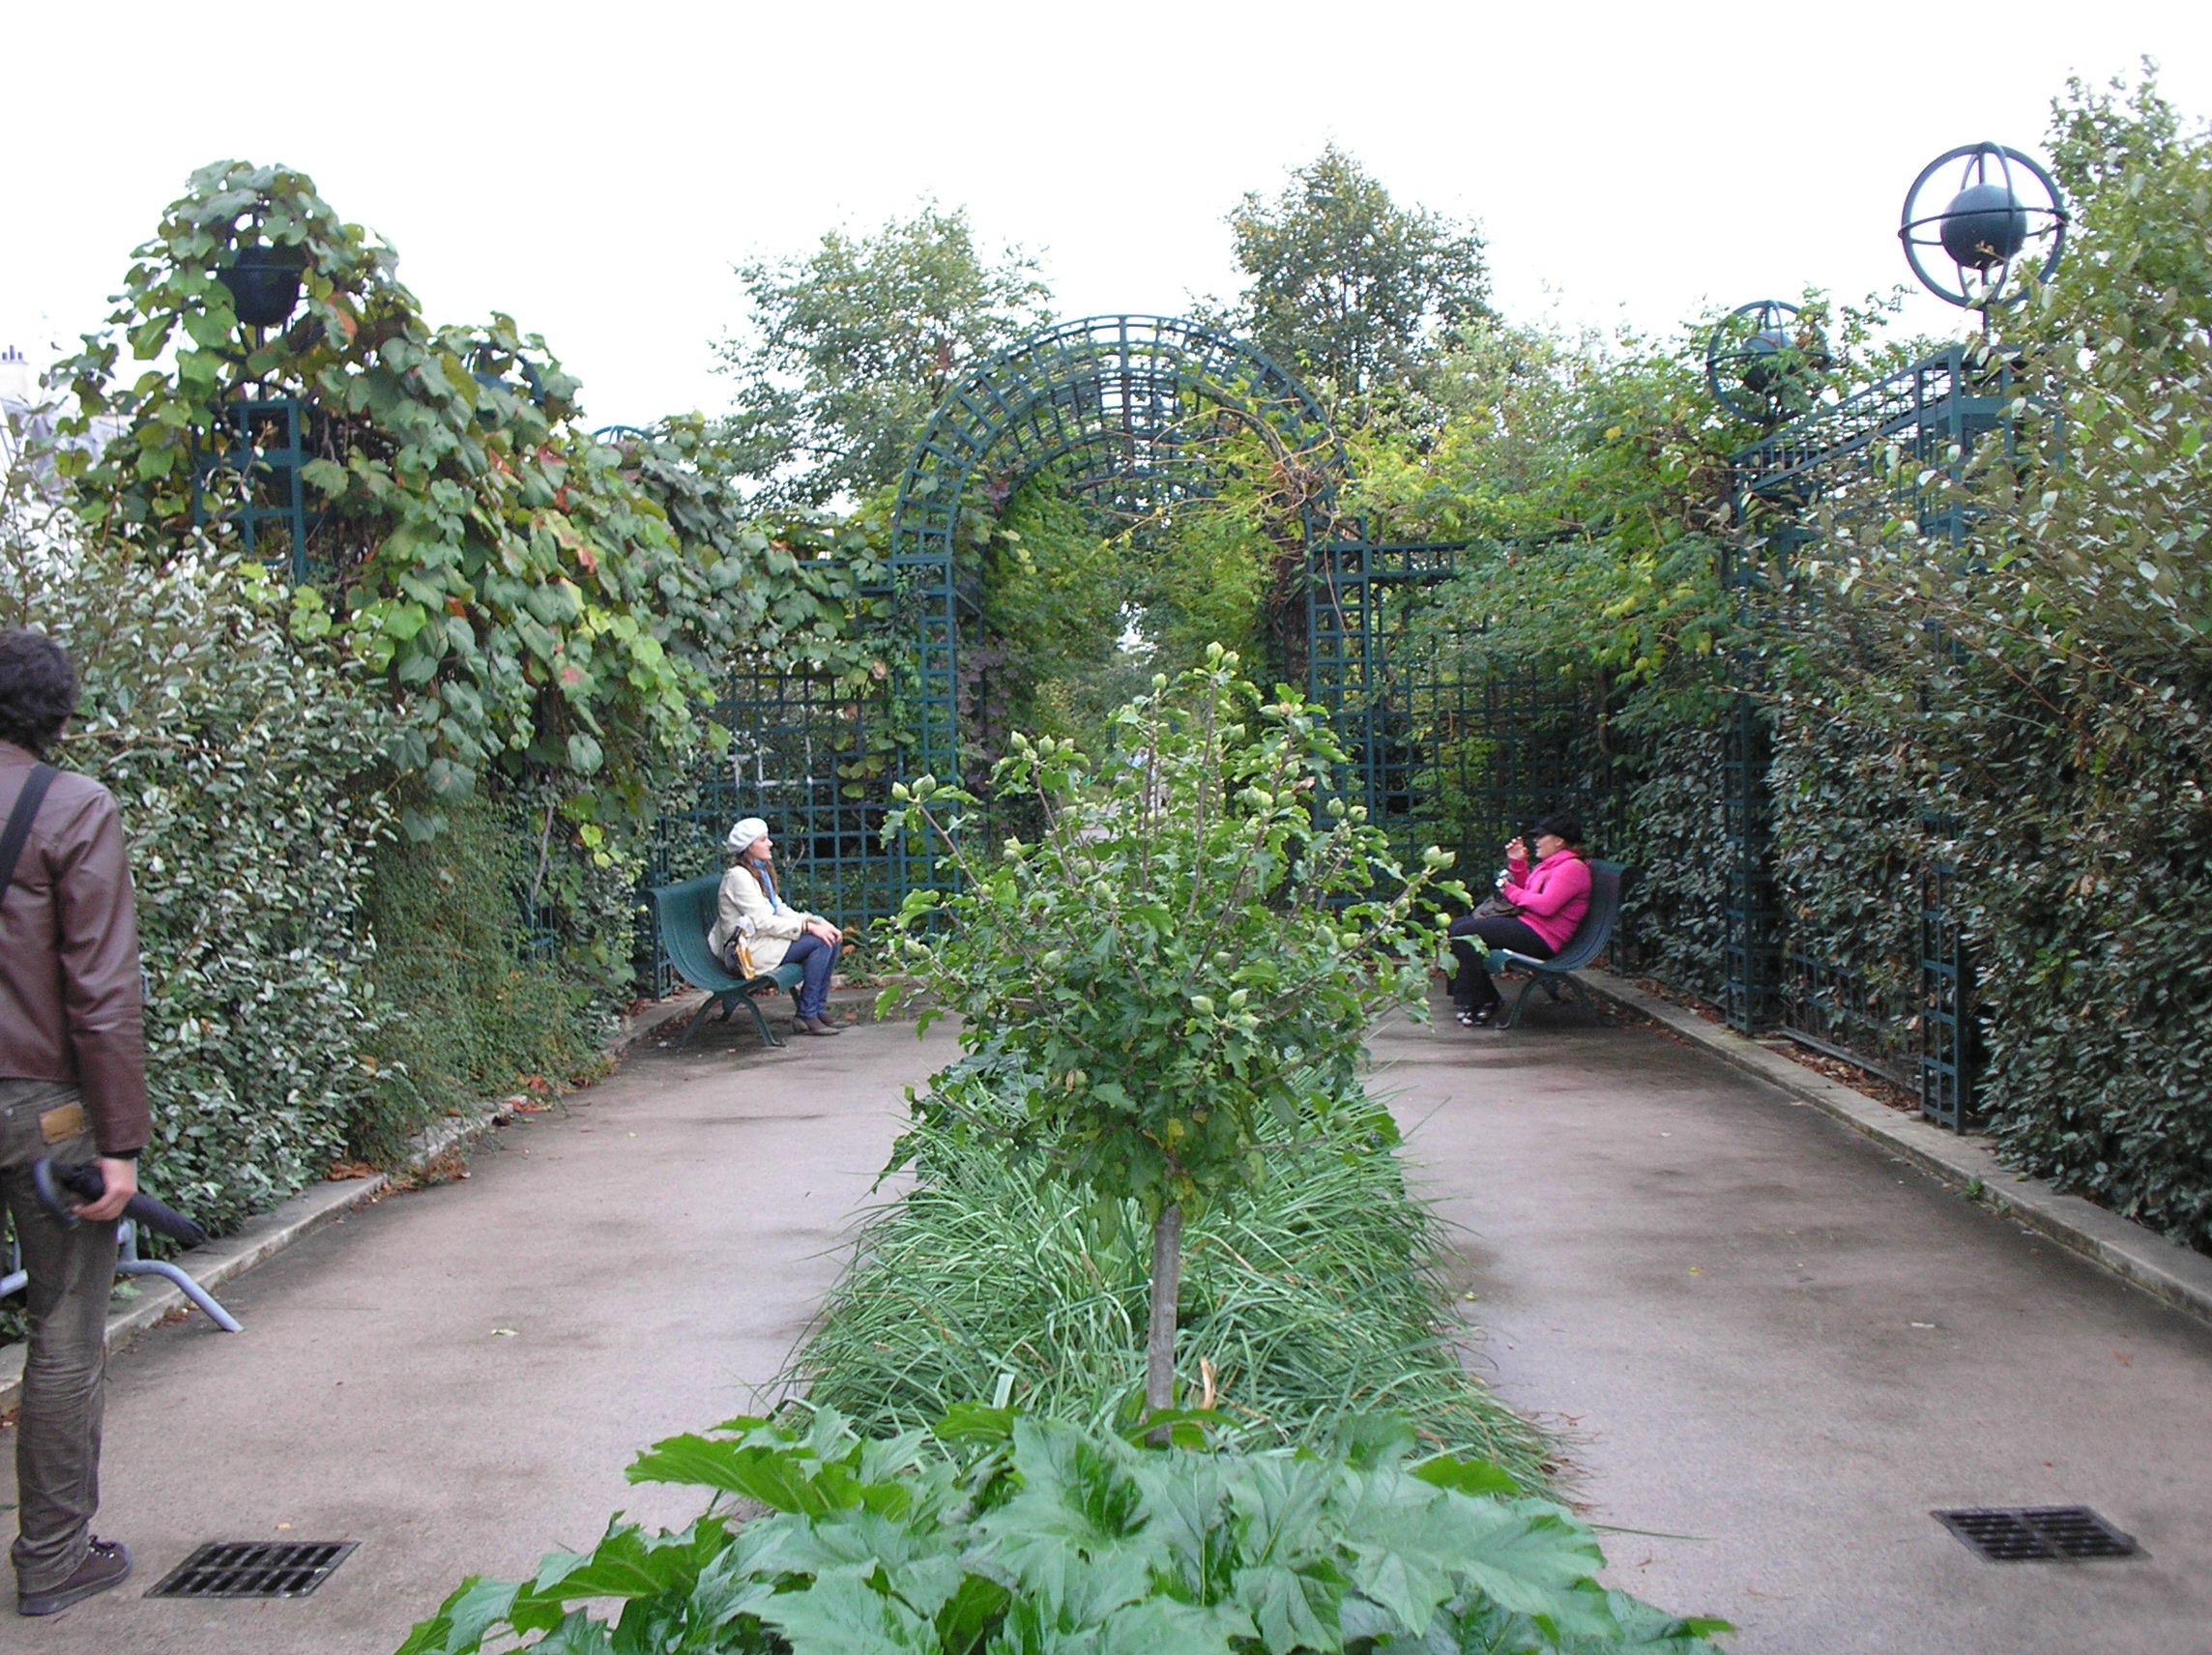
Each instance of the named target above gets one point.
<point>1167,1288</point>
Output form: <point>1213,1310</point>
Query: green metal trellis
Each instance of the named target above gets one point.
<point>1115,403</point>
<point>261,444</point>
<point>1930,415</point>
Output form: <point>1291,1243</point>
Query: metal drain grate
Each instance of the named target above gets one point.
<point>2020,1534</point>
<point>254,1569</point>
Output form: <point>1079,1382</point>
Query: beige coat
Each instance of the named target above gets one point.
<point>775,924</point>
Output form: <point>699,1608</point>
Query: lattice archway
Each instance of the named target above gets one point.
<point>1121,403</point>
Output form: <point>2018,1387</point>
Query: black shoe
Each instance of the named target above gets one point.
<point>1477,1016</point>
<point>106,1563</point>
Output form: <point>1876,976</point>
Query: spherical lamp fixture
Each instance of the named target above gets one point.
<point>1761,364</point>
<point>1977,222</point>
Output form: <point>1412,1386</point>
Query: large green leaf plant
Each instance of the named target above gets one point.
<point>1002,1534</point>
<point>1190,955</point>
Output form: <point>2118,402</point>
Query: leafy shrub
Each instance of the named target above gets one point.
<point>1309,1295</point>
<point>1676,824</point>
<point>244,767</point>
<point>1189,939</point>
<point>465,1007</point>
<point>1002,1535</point>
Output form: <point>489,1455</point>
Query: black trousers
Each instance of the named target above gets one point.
<point>1471,936</point>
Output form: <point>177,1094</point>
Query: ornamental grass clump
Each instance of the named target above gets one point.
<point>1307,1298</point>
<point>1185,963</point>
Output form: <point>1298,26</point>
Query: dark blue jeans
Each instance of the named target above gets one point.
<point>818,959</point>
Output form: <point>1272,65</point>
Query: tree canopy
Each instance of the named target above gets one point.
<point>852,347</point>
<point>1347,287</point>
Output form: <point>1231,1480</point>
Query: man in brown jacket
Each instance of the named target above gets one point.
<point>72,1086</point>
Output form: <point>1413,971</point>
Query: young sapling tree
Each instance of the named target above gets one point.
<point>1188,958</point>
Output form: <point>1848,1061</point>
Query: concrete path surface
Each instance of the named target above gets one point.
<point>455,1378</point>
<point>1758,1329</point>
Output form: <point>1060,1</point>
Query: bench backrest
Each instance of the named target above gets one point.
<point>682,913</point>
<point>1606,879</point>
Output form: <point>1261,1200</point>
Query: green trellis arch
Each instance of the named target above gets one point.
<point>1117,402</point>
<point>1122,408</point>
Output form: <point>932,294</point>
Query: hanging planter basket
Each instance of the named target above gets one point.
<point>264,283</point>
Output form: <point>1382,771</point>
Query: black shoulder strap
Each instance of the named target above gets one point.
<point>19,821</point>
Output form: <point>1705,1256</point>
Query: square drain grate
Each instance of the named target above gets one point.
<point>254,1569</point>
<point>2021,1534</point>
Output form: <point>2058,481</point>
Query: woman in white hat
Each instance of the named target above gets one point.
<point>775,933</point>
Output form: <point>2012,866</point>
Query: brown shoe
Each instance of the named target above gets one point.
<point>106,1563</point>
<point>813,1026</point>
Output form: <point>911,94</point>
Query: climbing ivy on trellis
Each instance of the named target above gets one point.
<point>544,606</point>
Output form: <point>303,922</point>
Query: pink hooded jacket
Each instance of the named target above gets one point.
<point>1553,895</point>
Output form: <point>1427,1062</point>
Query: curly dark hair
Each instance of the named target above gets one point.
<point>37,690</point>
<point>1564,824</point>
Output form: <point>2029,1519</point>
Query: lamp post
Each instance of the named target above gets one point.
<point>1761,364</point>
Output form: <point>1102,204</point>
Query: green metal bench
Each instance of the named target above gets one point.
<point>1608,881</point>
<point>683,914</point>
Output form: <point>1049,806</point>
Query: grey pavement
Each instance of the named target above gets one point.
<point>1758,1329</point>
<point>456,1377</point>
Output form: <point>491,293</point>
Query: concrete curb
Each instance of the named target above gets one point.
<point>2139,1256</point>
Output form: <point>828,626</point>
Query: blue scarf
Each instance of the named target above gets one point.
<point>759,871</point>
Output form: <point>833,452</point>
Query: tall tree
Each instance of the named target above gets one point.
<point>1348,288</point>
<point>852,346</point>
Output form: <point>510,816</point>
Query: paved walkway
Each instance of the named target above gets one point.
<point>455,1378</point>
<point>1758,1329</point>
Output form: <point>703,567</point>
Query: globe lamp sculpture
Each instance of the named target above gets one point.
<point>1999,224</point>
<point>1761,364</point>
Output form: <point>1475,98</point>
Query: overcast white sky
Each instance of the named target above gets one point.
<point>596,171</point>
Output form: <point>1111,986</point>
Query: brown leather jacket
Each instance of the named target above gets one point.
<point>69,957</point>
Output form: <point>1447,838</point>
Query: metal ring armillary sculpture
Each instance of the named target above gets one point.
<point>2001,217</point>
<point>1760,365</point>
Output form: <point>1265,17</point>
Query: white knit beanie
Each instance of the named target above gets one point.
<point>743,835</point>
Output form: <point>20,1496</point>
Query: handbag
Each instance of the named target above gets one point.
<point>737,956</point>
<point>1497,907</point>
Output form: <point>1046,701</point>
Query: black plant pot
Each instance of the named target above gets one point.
<point>264,284</point>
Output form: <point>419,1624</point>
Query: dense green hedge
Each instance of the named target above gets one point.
<point>244,767</point>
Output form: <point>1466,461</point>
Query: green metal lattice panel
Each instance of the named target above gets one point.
<point>1438,753</point>
<point>263,444</point>
<point>1929,418</point>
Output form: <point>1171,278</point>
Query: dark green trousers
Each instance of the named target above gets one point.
<point>72,1271</point>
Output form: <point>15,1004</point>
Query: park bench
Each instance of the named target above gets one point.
<point>683,913</point>
<point>1608,880</point>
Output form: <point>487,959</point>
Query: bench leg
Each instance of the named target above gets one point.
<point>700,1016</point>
<point>759,1022</point>
<point>1519,1004</point>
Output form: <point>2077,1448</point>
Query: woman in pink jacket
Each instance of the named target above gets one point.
<point>1552,895</point>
